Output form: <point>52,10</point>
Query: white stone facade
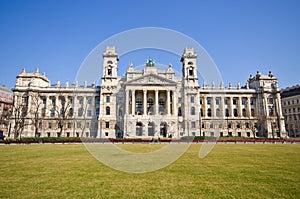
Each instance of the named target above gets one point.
<point>154,103</point>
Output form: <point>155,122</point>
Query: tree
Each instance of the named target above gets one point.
<point>64,112</point>
<point>36,117</point>
<point>19,116</point>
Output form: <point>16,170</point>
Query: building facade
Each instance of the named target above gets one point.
<point>6,104</point>
<point>291,110</point>
<point>149,103</point>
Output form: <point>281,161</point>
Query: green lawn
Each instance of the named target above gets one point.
<point>229,171</point>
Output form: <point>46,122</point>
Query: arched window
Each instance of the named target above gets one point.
<point>109,62</point>
<point>193,111</point>
<point>191,71</point>
<point>151,128</point>
<point>107,109</point>
<point>244,112</point>
<point>190,63</point>
<point>226,112</point>
<point>109,71</point>
<point>139,129</point>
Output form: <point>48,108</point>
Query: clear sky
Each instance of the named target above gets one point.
<point>240,36</point>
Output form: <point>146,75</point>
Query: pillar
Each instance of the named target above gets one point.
<point>133,102</point>
<point>126,102</point>
<point>168,102</point>
<point>156,102</point>
<point>145,102</point>
<point>174,103</point>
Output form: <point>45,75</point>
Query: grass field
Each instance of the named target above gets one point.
<point>229,171</point>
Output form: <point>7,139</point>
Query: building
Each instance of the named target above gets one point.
<point>291,109</point>
<point>148,103</point>
<point>6,104</point>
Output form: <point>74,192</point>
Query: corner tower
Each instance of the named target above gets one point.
<point>110,64</point>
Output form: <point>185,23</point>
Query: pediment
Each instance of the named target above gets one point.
<point>151,79</point>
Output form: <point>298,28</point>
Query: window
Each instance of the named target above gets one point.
<point>52,112</point>
<point>107,125</point>
<point>71,112</point>
<point>243,101</point>
<point>225,101</point>
<point>78,124</point>
<point>193,125</point>
<point>107,98</point>
<point>248,134</point>
<point>226,112</point>
<point>239,134</point>
<point>80,112</point>
<point>139,129</point>
<point>150,107</point>
<point>252,101</point>
<point>212,134</point>
<point>238,125</point>
<point>179,100</point>
<point>179,111</point>
<point>235,113</point>
<point>247,125</point>
<point>270,100</point>
<point>90,100</point>
<point>106,133</point>
<point>217,101</point>
<point>201,112</point>
<point>191,71</point>
<point>201,101</point>
<point>138,105</point>
<point>48,134</point>
<point>208,100</point>
<point>49,125</point>
<point>230,134</point>
<point>211,125</point>
<point>68,134</point>
<point>221,134</point>
<point>80,100</point>
<point>98,100</point>
<point>161,103</point>
<point>107,110</point>
<point>109,72</point>
<point>252,112</point>
<point>44,100</point>
<point>234,101</point>
<point>97,111</point>
<point>89,113</point>
<point>69,125</point>
<point>58,135</point>
<point>271,111</point>
<point>244,112</point>
<point>209,112</point>
<point>218,112</point>
<point>193,111</point>
<point>192,99</point>
<point>220,125</point>
<point>229,125</point>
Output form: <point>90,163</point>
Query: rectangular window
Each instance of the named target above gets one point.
<point>107,98</point>
<point>217,101</point>
<point>179,100</point>
<point>107,125</point>
<point>192,99</point>
<point>193,125</point>
<point>201,101</point>
<point>234,101</point>
<point>90,100</point>
<point>225,101</point>
<point>89,113</point>
<point>97,111</point>
<point>120,100</point>
<point>80,100</point>
<point>98,100</point>
<point>69,125</point>
<point>208,100</point>
<point>243,101</point>
<point>49,125</point>
<point>78,124</point>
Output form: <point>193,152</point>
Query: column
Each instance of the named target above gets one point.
<point>265,102</point>
<point>249,107</point>
<point>222,112</point>
<point>174,103</point>
<point>145,102</point>
<point>213,107</point>
<point>156,102</point>
<point>133,102</point>
<point>240,114</point>
<point>231,107</point>
<point>204,106</point>
<point>126,102</point>
<point>168,102</point>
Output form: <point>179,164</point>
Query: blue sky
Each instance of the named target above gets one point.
<point>240,36</point>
